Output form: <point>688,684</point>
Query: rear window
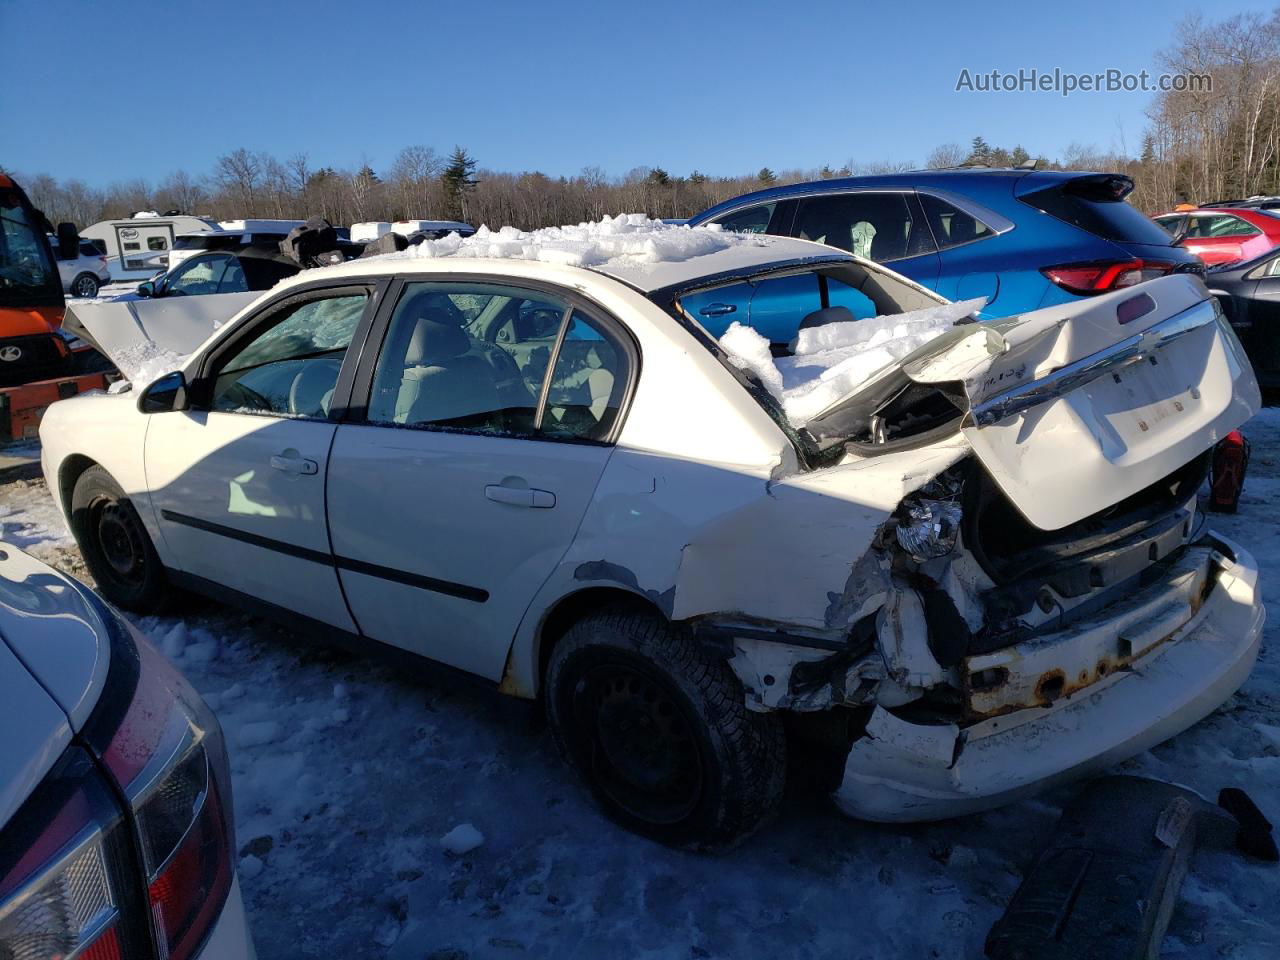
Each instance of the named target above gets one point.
<point>1090,203</point>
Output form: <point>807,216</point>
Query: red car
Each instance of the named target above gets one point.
<point>1224,234</point>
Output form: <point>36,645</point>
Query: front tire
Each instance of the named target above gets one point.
<point>85,285</point>
<point>661,733</point>
<point>115,544</point>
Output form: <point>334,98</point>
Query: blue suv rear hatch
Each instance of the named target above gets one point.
<point>1096,203</point>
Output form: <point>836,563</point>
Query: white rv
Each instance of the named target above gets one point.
<point>139,246</point>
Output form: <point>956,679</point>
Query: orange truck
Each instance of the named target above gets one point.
<point>38,365</point>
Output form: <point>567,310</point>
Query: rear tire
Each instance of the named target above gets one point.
<point>661,733</point>
<point>115,545</point>
<point>85,285</point>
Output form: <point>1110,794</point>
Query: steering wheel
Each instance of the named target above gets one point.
<point>310,386</point>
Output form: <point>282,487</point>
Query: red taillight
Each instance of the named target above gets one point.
<point>168,756</point>
<point>1103,276</point>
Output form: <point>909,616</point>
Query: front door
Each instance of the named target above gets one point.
<point>490,417</point>
<point>238,480</point>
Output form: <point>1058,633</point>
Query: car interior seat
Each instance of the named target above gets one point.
<point>443,380</point>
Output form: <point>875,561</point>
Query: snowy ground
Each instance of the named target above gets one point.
<point>348,774</point>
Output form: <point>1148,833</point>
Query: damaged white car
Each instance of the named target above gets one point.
<point>955,561</point>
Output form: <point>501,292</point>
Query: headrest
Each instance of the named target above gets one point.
<point>827,315</point>
<point>434,339</point>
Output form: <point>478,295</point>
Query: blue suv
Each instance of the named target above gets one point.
<point>1023,239</point>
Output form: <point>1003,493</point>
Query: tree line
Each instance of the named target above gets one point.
<point>1199,146</point>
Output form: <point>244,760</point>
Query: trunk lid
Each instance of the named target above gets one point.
<point>1074,407</point>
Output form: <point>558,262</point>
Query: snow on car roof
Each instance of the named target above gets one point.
<point>646,254</point>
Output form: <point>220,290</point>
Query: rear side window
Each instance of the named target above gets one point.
<point>157,243</point>
<point>877,226</point>
<point>497,360</point>
<point>951,227</point>
<point>1088,203</point>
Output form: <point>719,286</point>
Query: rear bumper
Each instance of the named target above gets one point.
<point>230,938</point>
<point>902,771</point>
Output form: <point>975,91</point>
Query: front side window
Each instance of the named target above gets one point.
<point>290,368</point>
<point>498,360</point>
<point>196,277</point>
<point>877,226</point>
<point>1206,227</point>
<point>24,261</point>
<point>951,226</point>
<point>751,220</point>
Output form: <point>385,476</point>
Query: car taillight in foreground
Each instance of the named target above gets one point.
<point>67,888</point>
<point>1103,276</point>
<point>167,755</point>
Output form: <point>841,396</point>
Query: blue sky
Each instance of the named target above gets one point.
<point>554,86</point>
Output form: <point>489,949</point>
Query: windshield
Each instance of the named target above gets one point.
<point>27,273</point>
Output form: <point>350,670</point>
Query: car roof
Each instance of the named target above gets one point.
<point>955,177</point>
<point>647,255</point>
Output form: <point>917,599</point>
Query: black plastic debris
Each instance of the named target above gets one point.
<point>1105,886</point>
<point>1255,837</point>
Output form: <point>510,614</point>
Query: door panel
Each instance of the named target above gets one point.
<point>442,538</point>
<point>240,501</point>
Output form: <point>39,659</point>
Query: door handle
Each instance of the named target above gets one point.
<point>520,496</point>
<point>294,464</point>
<point>717,309</point>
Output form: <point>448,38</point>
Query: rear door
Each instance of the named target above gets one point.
<point>478,435</point>
<point>887,226</point>
<point>237,480</point>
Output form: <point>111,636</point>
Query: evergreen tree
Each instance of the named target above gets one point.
<point>767,176</point>
<point>979,151</point>
<point>1019,156</point>
<point>659,177</point>
<point>697,177</point>
<point>1148,158</point>
<point>458,180</point>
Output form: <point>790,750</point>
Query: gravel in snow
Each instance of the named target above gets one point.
<point>349,776</point>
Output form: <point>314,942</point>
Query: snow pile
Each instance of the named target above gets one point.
<point>462,839</point>
<point>833,360</point>
<point>629,236</point>
<point>145,362</point>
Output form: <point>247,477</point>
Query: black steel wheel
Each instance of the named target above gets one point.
<point>115,544</point>
<point>660,732</point>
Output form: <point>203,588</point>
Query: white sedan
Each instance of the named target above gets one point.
<point>116,837</point>
<point>965,559</point>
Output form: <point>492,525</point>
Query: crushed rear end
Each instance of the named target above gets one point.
<point>1044,600</point>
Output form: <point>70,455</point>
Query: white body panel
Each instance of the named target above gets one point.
<point>421,503</point>
<point>177,326</point>
<point>222,469</point>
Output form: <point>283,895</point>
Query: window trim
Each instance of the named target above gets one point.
<point>357,407</point>
<point>261,318</point>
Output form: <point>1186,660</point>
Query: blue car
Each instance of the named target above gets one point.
<point>1023,239</point>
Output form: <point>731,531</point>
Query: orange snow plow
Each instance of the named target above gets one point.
<point>38,365</point>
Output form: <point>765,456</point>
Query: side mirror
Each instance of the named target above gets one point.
<point>68,241</point>
<point>147,288</point>
<point>165,395</point>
